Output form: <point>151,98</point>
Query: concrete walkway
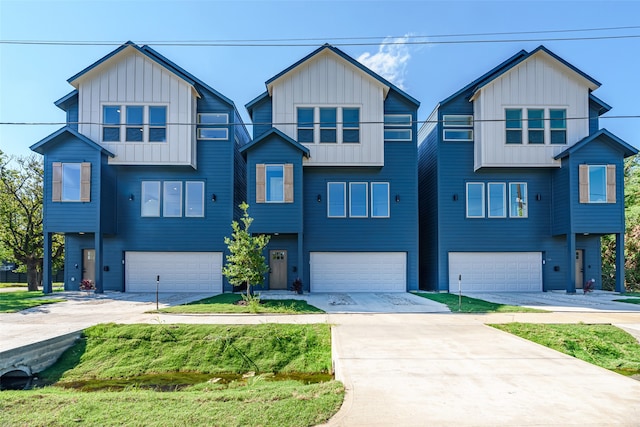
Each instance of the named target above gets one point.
<point>406,361</point>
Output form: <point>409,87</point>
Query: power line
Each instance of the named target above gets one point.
<point>347,41</point>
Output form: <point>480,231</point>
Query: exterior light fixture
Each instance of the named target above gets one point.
<point>319,198</point>
<point>455,197</point>
<point>131,197</point>
<point>397,198</point>
<point>214,197</point>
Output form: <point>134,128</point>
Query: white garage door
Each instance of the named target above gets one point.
<point>178,271</point>
<point>358,271</point>
<point>496,271</point>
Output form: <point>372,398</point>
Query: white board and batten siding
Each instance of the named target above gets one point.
<point>178,271</point>
<point>327,80</point>
<point>538,82</point>
<point>358,271</point>
<point>130,78</point>
<point>495,271</point>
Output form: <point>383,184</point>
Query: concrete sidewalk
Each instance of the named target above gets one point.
<point>404,360</point>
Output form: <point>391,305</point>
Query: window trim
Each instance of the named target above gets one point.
<point>186,199</point>
<point>609,187</point>
<point>482,199</point>
<point>526,200</point>
<point>310,126</point>
<point>504,197</point>
<point>123,125</point>
<point>374,184</point>
<point>366,199</point>
<point>408,123</point>
<point>536,129</point>
<point>344,199</point>
<point>333,128</point>
<point>469,136</point>
<point>66,170</point>
<point>520,128</point>
<point>453,117</point>
<point>562,129</point>
<point>221,127</point>
<point>117,126</point>
<point>157,126</point>
<point>387,136</point>
<point>267,185</point>
<point>142,197</point>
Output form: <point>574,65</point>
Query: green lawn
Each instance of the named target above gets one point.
<point>629,300</point>
<point>11,302</point>
<point>602,345</point>
<point>631,294</point>
<point>125,351</point>
<point>227,303</point>
<point>473,305</point>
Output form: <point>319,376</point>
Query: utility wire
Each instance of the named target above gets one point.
<point>345,41</point>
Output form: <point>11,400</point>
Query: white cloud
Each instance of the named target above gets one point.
<point>390,61</point>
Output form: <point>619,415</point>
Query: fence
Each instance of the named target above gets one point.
<point>11,277</point>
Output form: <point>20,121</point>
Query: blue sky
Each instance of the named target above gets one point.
<point>33,76</point>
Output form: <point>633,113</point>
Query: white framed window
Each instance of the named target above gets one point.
<point>150,199</point>
<point>535,125</point>
<point>518,200</point>
<point>457,120</point>
<point>475,199</point>
<point>336,199</point>
<point>111,123</point>
<point>457,134</point>
<point>558,125</point>
<point>513,125</point>
<point>393,124</point>
<point>305,124</point>
<point>71,182</point>
<point>350,125</point>
<point>134,131</point>
<point>497,199</point>
<point>274,183</point>
<point>157,123</point>
<point>194,199</point>
<point>172,199</point>
<point>540,126</point>
<point>380,200</point>
<point>597,183</point>
<point>358,199</point>
<point>210,126</point>
<point>328,125</point>
<point>134,123</point>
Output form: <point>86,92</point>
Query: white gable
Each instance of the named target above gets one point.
<point>539,82</point>
<point>131,78</point>
<point>327,80</point>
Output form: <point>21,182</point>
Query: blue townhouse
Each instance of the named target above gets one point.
<point>145,178</point>
<point>332,177</point>
<point>518,182</point>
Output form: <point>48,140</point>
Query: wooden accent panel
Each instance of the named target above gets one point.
<point>260,184</point>
<point>85,182</point>
<point>56,183</point>
<point>288,183</point>
<point>611,183</point>
<point>583,179</point>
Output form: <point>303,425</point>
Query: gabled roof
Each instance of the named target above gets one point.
<point>473,87</point>
<point>157,58</point>
<point>255,101</point>
<point>350,60</point>
<point>63,103</point>
<point>273,131</point>
<point>603,107</point>
<point>602,135</point>
<point>40,146</point>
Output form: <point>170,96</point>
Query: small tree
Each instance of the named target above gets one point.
<point>245,263</point>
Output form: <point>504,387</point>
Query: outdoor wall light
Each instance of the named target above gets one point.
<point>397,198</point>
<point>131,197</point>
<point>455,197</point>
<point>319,198</point>
<point>538,197</point>
<point>214,197</point>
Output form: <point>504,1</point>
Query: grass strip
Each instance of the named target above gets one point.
<point>473,305</point>
<point>227,303</point>
<point>629,300</point>
<point>11,302</point>
<point>602,345</point>
<point>279,404</point>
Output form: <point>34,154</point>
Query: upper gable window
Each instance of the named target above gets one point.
<point>535,123</point>
<point>333,125</point>
<point>210,126</point>
<point>513,125</point>
<point>454,127</point>
<point>134,123</point>
<point>328,125</point>
<point>558,125</point>
<point>71,182</point>
<point>397,127</point>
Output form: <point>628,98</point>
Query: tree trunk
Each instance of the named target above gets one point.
<point>32,275</point>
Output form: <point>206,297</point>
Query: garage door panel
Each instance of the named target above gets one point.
<point>358,271</point>
<point>178,271</point>
<point>496,271</point>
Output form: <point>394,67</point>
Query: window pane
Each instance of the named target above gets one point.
<point>172,199</point>
<point>328,125</point>
<point>157,134</point>
<point>328,135</point>
<point>459,121</point>
<point>275,183</point>
<point>351,117</point>
<point>379,199</point>
<point>558,136</point>
<point>150,202</point>
<point>497,193</point>
<point>134,115</point>
<point>194,203</point>
<point>111,134</point>
<point>458,135</point>
<point>518,207</point>
<point>513,118</point>
<point>305,135</point>
<point>358,199</point>
<point>558,119</point>
<point>397,120</point>
<point>157,116</point>
<point>213,118</point>
<point>111,115</point>
<point>514,137</point>
<point>134,134</point>
<point>71,182</point>
<point>597,184</point>
<point>212,133</point>
<point>305,117</point>
<point>336,199</point>
<point>475,200</point>
<point>397,134</point>
<point>536,119</point>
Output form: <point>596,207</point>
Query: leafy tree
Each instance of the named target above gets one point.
<point>632,233</point>
<point>21,234</point>
<point>245,263</point>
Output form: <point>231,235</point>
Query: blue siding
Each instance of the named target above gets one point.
<point>594,116</point>
<point>73,246</point>
<point>275,217</point>
<point>108,199</point>
<point>239,165</point>
<point>428,210</point>
<point>262,116</point>
<point>289,243</point>
<point>561,213</point>
<point>72,115</point>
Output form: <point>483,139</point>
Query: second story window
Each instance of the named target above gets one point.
<point>457,127</point>
<point>328,125</point>
<point>350,125</point>
<point>513,125</point>
<point>305,124</point>
<point>397,127</point>
<point>540,126</point>
<point>134,123</point>
<point>274,183</point>
<point>536,126</point>
<point>213,126</point>
<point>158,124</point>
<point>111,120</point>
<point>558,125</point>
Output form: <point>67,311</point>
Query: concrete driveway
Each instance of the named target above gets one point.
<point>404,360</point>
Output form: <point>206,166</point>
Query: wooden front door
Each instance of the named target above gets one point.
<point>278,269</point>
<point>579,268</point>
<point>89,264</point>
